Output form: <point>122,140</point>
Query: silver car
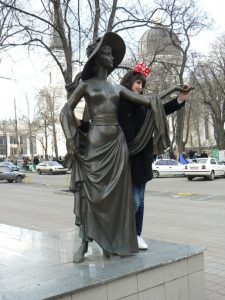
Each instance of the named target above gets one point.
<point>10,165</point>
<point>208,168</point>
<point>50,167</point>
<point>10,175</point>
<point>167,167</point>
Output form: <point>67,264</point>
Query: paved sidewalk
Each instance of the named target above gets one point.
<point>196,219</point>
<point>191,219</point>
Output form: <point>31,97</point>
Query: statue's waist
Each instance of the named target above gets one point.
<point>105,120</point>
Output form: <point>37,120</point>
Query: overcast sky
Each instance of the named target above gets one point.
<point>215,9</point>
<point>28,75</point>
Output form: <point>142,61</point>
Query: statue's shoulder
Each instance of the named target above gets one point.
<point>82,86</point>
<point>88,83</point>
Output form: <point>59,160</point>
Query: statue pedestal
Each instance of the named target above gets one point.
<point>167,271</point>
<point>39,266</point>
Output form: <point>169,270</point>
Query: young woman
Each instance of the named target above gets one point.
<point>131,119</point>
<point>101,179</point>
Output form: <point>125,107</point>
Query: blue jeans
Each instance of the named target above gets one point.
<point>138,192</point>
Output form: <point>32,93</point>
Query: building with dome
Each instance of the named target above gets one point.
<point>159,42</point>
<point>160,49</point>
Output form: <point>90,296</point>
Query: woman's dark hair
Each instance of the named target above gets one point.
<point>130,77</point>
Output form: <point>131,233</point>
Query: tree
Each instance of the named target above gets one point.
<point>30,128</point>
<point>48,111</point>
<point>210,78</point>
<point>61,21</point>
<point>71,24</point>
<point>6,20</point>
<point>185,20</point>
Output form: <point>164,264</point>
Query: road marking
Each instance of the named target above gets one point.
<point>185,194</point>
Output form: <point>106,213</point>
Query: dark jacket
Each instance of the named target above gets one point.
<point>131,118</point>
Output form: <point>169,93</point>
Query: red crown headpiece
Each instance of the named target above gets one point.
<point>143,69</point>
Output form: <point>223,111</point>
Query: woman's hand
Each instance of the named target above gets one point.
<point>184,94</point>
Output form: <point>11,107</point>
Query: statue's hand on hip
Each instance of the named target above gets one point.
<point>71,147</point>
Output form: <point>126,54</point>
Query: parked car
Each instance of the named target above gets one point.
<point>51,167</point>
<point>167,167</point>
<point>10,165</point>
<point>10,175</point>
<point>204,167</point>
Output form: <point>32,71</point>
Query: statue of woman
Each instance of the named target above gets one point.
<point>101,179</point>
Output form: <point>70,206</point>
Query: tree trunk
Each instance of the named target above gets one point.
<point>55,142</point>
<point>180,131</point>
<point>46,139</point>
<point>220,136</point>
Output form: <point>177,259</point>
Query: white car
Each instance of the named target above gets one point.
<point>51,167</point>
<point>204,167</point>
<point>167,167</point>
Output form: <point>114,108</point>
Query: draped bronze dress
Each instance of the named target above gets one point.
<point>101,179</point>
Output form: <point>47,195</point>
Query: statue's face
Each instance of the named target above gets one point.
<point>105,57</point>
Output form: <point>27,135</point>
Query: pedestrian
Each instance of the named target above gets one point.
<point>131,119</point>
<point>36,160</point>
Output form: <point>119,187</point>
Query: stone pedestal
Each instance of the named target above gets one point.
<point>38,266</point>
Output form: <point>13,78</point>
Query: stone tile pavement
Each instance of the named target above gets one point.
<point>194,219</point>
<point>191,219</point>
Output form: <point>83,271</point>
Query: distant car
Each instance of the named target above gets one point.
<point>167,167</point>
<point>204,167</point>
<point>50,167</point>
<point>10,175</point>
<point>10,165</point>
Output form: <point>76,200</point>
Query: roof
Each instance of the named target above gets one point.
<point>159,40</point>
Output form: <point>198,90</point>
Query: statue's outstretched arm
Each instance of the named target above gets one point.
<point>183,89</point>
<point>133,97</point>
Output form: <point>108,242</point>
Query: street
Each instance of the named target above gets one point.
<point>176,210</point>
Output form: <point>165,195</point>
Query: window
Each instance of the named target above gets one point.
<point>52,163</point>
<point>213,162</point>
<point>172,163</point>
<point>2,140</point>
<point>13,140</point>
<point>23,140</point>
<point>5,169</point>
<point>201,160</point>
<point>160,163</point>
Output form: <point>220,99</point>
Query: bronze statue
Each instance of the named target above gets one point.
<point>101,179</point>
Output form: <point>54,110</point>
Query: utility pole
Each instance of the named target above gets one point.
<point>16,130</point>
<point>30,131</point>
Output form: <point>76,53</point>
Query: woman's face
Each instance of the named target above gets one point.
<point>137,86</point>
<point>105,57</point>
